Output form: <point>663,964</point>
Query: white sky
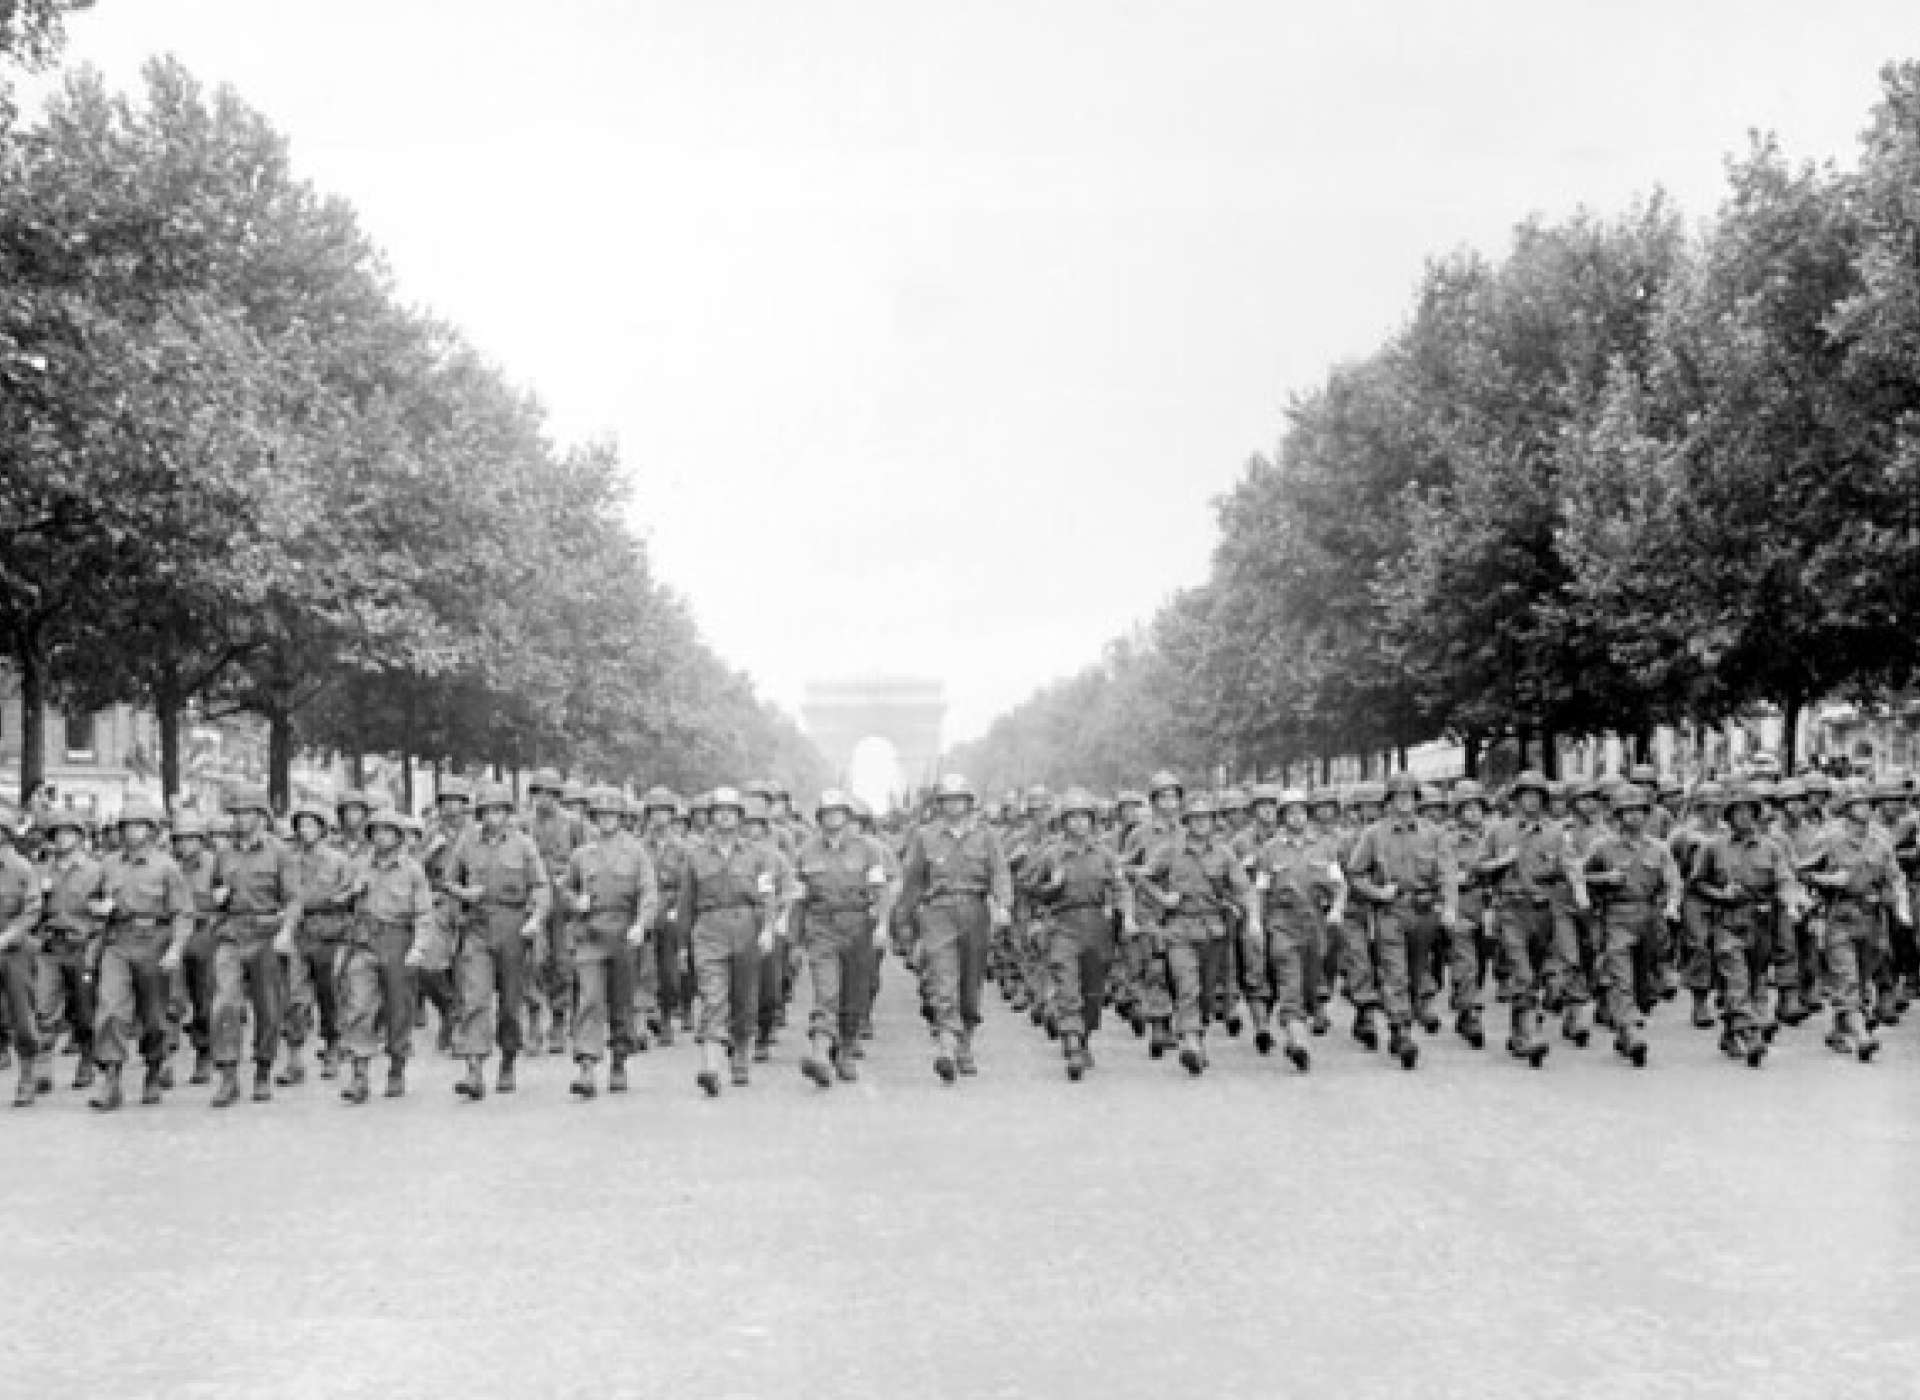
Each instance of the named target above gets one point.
<point>929,332</point>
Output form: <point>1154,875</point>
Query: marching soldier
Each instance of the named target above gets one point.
<point>728,901</point>
<point>659,810</point>
<point>325,892</point>
<point>64,982</point>
<point>1860,883</point>
<point>1748,880</point>
<point>1081,884</point>
<point>1404,868</point>
<point>845,911</point>
<point>610,897</point>
<point>1295,877</point>
<point>501,883</point>
<point>1470,944</point>
<point>256,885</point>
<point>195,856</point>
<point>557,833</point>
<point>1529,863</point>
<point>956,881</point>
<point>393,921</point>
<point>20,904</point>
<point>1640,890</point>
<point>149,912</point>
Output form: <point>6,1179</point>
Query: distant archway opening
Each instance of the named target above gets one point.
<point>873,773</point>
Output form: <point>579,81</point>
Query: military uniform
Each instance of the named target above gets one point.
<point>1082,887</point>
<point>557,834</point>
<point>20,902</point>
<point>614,877</point>
<point>152,917</point>
<point>954,878</point>
<point>1403,866</point>
<point>325,892</point>
<point>1297,880</point>
<point>393,919</point>
<point>64,981</point>
<point>1747,879</point>
<point>503,888</point>
<point>728,899</point>
<point>846,890</point>
<point>257,880</point>
<point>1196,880</point>
<point>1860,884</point>
<point>1531,865</point>
<point>1638,883</point>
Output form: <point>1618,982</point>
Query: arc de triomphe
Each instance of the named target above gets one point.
<point>904,711</point>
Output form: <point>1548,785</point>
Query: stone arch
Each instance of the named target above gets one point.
<point>905,711</point>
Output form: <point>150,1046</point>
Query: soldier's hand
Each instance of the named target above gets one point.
<point>100,908</point>
<point>170,960</point>
<point>1388,892</point>
<point>766,940</point>
<point>284,945</point>
<point>637,936</point>
<point>999,915</point>
<point>530,930</point>
<point>583,904</point>
<point>415,958</point>
<point>10,941</point>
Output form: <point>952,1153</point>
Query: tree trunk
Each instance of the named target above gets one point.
<point>166,716</point>
<point>1326,771</point>
<point>279,760</point>
<point>1470,756</point>
<point>1400,755</point>
<point>33,716</point>
<point>1790,713</point>
<point>357,769</point>
<point>1549,752</point>
<point>406,782</point>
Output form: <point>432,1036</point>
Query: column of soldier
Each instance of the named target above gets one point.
<point>595,924</point>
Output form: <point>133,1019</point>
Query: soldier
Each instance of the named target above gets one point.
<point>1299,885</point>
<point>256,885</point>
<point>1194,881</point>
<point>700,815</point>
<point>956,881</point>
<point>1860,883</point>
<point>497,875</point>
<point>558,834</point>
<point>769,1009</point>
<point>1079,881</point>
<point>392,924</point>
<point>1640,888</point>
<point>1585,826</point>
<point>194,854</point>
<point>890,862</point>
<point>325,892</point>
<point>350,810</point>
<point>1357,929</point>
<point>1404,868</point>
<point>1472,940</point>
<point>1146,968</point>
<point>1529,862</point>
<point>1690,838</point>
<point>149,918</point>
<point>667,850</point>
<point>728,901</point>
<point>1263,824</point>
<point>68,956</point>
<point>1749,882</point>
<point>20,902</point>
<point>433,973</point>
<point>845,912</point>
<point>610,895</point>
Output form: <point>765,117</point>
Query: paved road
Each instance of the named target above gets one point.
<point>1473,1229</point>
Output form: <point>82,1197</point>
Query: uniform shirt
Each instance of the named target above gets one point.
<point>728,874</point>
<point>616,874</point>
<point>394,890</point>
<point>1297,872</point>
<point>1247,841</point>
<point>1202,873</point>
<point>840,875</point>
<point>1867,860</point>
<point>324,879</point>
<point>68,884</point>
<point>1542,857</point>
<point>668,853</point>
<point>1075,873</point>
<point>557,834</point>
<point>1753,865</point>
<point>1408,853</point>
<point>507,868</point>
<point>262,878</point>
<point>148,885</point>
<point>20,894</point>
<point>1646,867</point>
<point>967,859</point>
<point>198,870</point>
<point>1466,843</point>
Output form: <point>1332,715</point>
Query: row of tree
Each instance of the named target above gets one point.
<point>237,474</point>
<point>1628,475</point>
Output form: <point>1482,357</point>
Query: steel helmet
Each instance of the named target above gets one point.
<point>1466,791</point>
<point>659,798</point>
<point>954,785</point>
<point>351,797</point>
<point>606,799</point>
<point>726,797</point>
<point>776,789</point>
<point>1200,805</point>
<point>1162,781</point>
<point>1643,775</point>
<point>250,799</point>
<point>491,795</point>
<point>1764,789</point>
<point>184,824</point>
<point>1263,792</point>
<point>862,812</point>
<point>1792,790</point>
<point>546,780</point>
<point>757,787</point>
<point>140,810</point>
<point>1130,797</point>
<point>1709,794</point>
<point>1294,797</point>
<point>1432,796</point>
<point>1369,794</point>
<point>1037,798</point>
<point>1532,780</point>
<point>220,824</point>
<point>313,810</point>
<point>387,817</point>
<point>66,819</point>
<point>833,799</point>
<point>1579,788</point>
<point>1402,781</point>
<point>1740,794</point>
<point>1233,800</point>
<point>1670,787</point>
<point>454,789</point>
<point>1817,784</point>
<point>755,809</point>
<point>1890,789</point>
<point>1079,800</point>
<point>573,795</point>
<point>1326,797</point>
<point>1631,795</point>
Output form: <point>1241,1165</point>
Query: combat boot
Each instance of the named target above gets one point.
<point>739,1069</point>
<point>1630,1046</point>
<point>1321,1024</point>
<point>1865,1046</point>
<point>1364,1029</point>
<point>357,1090</point>
<point>557,1034</point>
<point>165,1074</point>
<point>41,1067</point>
<point>1703,1018</point>
<point>6,1055</point>
<point>844,1066</point>
<point>709,1077</point>
<point>1232,1018</point>
<point>762,1049</point>
<point>1297,1050</point>
<point>666,1030</point>
<point>815,1064</point>
<point>1403,1047</point>
<point>155,1081</point>
<point>228,1094</point>
<point>1756,1048</point>
<point>963,1054</point>
<point>1467,1023</point>
<point>1193,1058</point>
<point>294,1073</point>
<point>83,1073</point>
<point>23,1091</point>
<point>474,1085</point>
<point>1574,1026</point>
<point>504,1084</point>
<point>1429,1018</point>
<point>329,1061</point>
<point>263,1082</point>
<point>1159,1038</point>
<point>617,1075</point>
<point>943,1064</point>
<point>583,1082</point>
<point>107,1097</point>
<point>396,1077</point>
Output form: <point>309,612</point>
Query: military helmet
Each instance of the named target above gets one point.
<point>1233,800</point>
<point>1200,805</point>
<point>1709,794</point>
<point>1670,786</point>
<point>315,810</point>
<point>954,785</point>
<point>1792,790</point>
<point>659,797</point>
<point>59,819</point>
<point>726,797</point>
<point>1369,794</point>
<point>220,824</point>
<point>1739,794</point>
<point>489,795</point>
<point>1764,789</point>
<point>606,799</point>
<point>1036,796</point>
<point>1079,800</point>
<point>1467,790</point>
<point>1532,779</point>
<point>1631,795</point>
<point>546,780</point>
<point>757,787</point>
<point>1579,789</point>
<point>756,808</point>
<point>1130,796</point>
<point>351,797</point>
<point>1263,792</point>
<point>141,810</point>
<point>1163,781</point>
<point>776,789</point>
<point>1293,797</point>
<point>1325,797</point>
<point>1817,783</point>
<point>862,811</point>
<point>1643,775</point>
<point>833,799</point>
<point>1431,796</point>
<point>1402,781</point>
<point>251,798</point>
<point>701,802</point>
<point>1890,789</point>
<point>184,824</point>
<point>389,817</point>
<point>573,794</point>
<point>454,789</point>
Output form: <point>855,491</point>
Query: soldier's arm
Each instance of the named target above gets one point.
<point>1671,884</point>
<point>913,874</point>
<point>179,906</point>
<point>539,884</point>
<point>999,878</point>
<point>649,900</point>
<point>1449,883</point>
<point>1361,872</point>
<point>30,904</point>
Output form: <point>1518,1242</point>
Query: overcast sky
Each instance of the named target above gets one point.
<point>929,332</point>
